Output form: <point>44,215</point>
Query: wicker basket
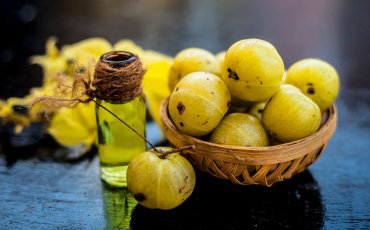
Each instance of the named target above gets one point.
<point>252,165</point>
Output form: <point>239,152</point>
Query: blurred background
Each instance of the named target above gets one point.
<point>337,31</point>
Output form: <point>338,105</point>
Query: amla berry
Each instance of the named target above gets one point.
<point>160,181</point>
<point>317,79</point>
<point>192,60</point>
<point>198,103</point>
<point>290,115</point>
<point>252,69</point>
<point>257,109</point>
<point>240,129</point>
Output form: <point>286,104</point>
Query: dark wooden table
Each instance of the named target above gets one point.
<point>43,187</point>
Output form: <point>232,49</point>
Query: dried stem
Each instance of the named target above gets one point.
<point>164,153</point>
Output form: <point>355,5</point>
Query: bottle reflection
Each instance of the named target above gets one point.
<point>118,207</point>
<point>218,204</point>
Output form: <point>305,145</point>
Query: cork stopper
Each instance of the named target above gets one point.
<point>118,77</point>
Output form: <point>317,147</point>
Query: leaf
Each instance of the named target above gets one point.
<point>52,63</point>
<point>74,126</point>
<point>155,85</point>
<point>130,46</point>
<point>85,52</point>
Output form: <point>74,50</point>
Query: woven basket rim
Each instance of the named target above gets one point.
<point>251,155</point>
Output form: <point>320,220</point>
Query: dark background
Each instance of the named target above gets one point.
<point>337,31</point>
<point>333,194</point>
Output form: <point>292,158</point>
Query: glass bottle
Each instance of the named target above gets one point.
<point>118,144</point>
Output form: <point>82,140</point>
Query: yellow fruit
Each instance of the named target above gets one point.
<point>290,115</point>
<point>220,56</point>
<point>253,70</point>
<point>240,129</point>
<point>198,103</point>
<point>238,105</point>
<point>317,79</point>
<point>158,181</point>
<point>192,60</point>
<point>284,76</point>
<point>257,109</point>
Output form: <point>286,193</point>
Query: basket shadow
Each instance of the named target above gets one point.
<point>217,204</point>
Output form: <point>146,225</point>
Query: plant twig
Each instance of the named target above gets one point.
<point>164,153</point>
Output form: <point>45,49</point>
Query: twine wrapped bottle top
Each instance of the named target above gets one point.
<point>118,77</point>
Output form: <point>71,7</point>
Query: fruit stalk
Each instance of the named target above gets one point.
<point>175,150</point>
